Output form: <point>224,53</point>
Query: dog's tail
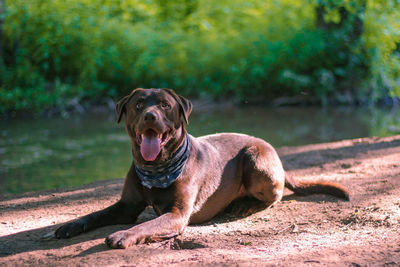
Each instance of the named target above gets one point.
<point>318,187</point>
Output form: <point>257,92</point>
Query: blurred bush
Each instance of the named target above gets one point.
<point>58,52</point>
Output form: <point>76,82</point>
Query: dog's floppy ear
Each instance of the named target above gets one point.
<point>185,105</point>
<point>120,107</point>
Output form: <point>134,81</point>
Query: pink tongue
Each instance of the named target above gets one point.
<point>150,146</point>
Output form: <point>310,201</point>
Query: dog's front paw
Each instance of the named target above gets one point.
<point>123,239</point>
<point>71,229</point>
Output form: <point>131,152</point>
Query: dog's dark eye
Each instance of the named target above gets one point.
<point>165,105</point>
<point>139,106</point>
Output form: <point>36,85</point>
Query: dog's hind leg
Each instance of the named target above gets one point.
<point>263,174</point>
<point>263,180</point>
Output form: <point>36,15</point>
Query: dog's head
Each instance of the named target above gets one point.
<point>155,121</point>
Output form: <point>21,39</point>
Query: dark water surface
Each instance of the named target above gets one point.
<point>55,153</point>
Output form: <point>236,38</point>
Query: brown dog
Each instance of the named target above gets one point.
<point>186,179</point>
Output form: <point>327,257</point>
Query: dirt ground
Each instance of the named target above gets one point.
<point>314,230</point>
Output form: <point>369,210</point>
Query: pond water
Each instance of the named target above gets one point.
<point>56,153</point>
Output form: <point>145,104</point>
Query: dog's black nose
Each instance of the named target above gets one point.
<point>149,116</point>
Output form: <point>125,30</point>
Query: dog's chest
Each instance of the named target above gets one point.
<point>162,200</point>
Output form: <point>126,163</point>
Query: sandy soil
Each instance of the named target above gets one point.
<point>299,231</point>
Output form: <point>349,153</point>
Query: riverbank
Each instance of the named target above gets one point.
<point>299,231</point>
<point>74,107</point>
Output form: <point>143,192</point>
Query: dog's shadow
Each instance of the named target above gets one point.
<point>247,206</point>
<point>43,238</point>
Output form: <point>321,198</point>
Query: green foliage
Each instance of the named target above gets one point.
<point>57,52</point>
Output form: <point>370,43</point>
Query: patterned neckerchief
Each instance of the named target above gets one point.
<point>164,175</point>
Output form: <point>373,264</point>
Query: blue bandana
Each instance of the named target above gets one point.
<point>165,174</point>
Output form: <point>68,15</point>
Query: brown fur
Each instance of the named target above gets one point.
<point>221,168</point>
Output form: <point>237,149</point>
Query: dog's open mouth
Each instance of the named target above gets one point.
<point>150,143</point>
